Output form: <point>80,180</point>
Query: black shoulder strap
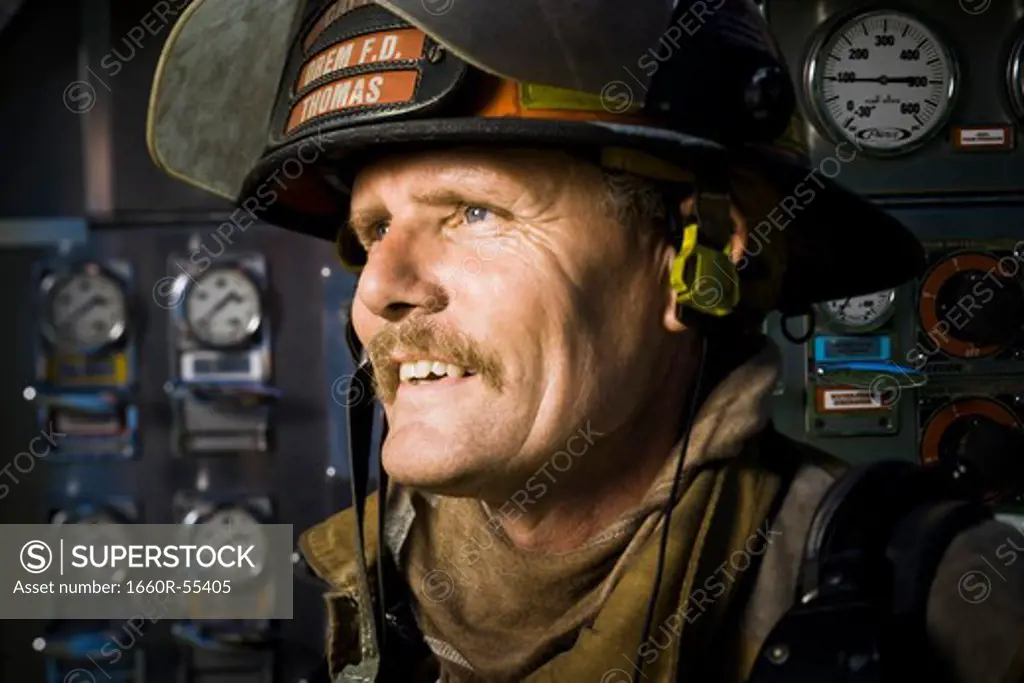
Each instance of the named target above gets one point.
<point>397,640</point>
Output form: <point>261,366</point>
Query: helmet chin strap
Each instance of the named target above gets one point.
<point>383,638</point>
<point>359,425</point>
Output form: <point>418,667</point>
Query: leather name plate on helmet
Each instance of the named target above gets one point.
<point>363,64</point>
<point>358,91</point>
<point>374,48</point>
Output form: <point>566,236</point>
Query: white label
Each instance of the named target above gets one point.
<point>982,137</point>
<point>849,399</point>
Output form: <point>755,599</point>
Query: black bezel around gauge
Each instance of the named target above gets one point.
<point>1015,74</point>
<point>816,106</point>
<point>54,282</point>
<point>834,324</point>
<point>200,515</point>
<point>190,285</point>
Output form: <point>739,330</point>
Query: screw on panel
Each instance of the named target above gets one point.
<point>435,54</point>
<point>778,654</point>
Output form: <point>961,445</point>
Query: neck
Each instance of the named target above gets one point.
<point>590,501</point>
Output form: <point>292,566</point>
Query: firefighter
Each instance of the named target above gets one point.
<point>569,221</point>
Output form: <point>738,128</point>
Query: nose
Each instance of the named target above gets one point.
<point>397,278</point>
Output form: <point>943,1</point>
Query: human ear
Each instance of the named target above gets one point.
<point>738,246</point>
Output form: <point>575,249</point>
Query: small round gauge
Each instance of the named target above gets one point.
<point>883,81</point>
<point>1015,76</point>
<point>969,306</point>
<point>85,310</point>
<point>236,527</point>
<point>946,431</point>
<point>860,313</point>
<point>223,307</point>
<point>101,531</point>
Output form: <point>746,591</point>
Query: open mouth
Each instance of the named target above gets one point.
<point>428,371</point>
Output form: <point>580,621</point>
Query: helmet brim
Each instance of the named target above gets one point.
<point>840,244</point>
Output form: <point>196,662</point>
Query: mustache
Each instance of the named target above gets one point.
<point>424,337</point>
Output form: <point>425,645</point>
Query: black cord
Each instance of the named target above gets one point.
<point>792,338</point>
<point>663,549</point>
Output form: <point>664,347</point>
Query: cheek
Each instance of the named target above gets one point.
<point>363,322</point>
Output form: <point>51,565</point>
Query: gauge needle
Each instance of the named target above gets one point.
<point>217,307</point>
<point>878,79</point>
<point>76,314</point>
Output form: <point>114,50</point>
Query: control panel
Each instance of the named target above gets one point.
<point>157,399</point>
<point>930,96</point>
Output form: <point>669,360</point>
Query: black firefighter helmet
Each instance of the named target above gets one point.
<point>273,104</point>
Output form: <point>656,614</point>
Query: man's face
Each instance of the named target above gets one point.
<point>504,273</point>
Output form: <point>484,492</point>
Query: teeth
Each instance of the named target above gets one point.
<point>423,369</point>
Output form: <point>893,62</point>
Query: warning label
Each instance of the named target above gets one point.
<point>843,400</point>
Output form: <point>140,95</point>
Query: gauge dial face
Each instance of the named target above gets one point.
<point>223,307</point>
<point>234,526</point>
<point>883,81</point>
<point>861,312</point>
<point>942,438</point>
<point>87,310</point>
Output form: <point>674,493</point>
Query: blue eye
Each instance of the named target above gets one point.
<point>475,214</point>
<point>378,231</point>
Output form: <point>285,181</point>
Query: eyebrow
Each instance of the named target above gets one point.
<point>359,221</point>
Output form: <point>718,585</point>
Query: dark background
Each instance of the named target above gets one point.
<point>86,180</point>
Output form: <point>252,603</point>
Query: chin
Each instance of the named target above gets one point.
<point>427,464</point>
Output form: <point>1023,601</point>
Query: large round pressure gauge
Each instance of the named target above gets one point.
<point>223,307</point>
<point>86,310</point>
<point>881,80</point>
<point>859,313</point>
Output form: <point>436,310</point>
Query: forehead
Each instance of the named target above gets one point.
<point>527,169</point>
